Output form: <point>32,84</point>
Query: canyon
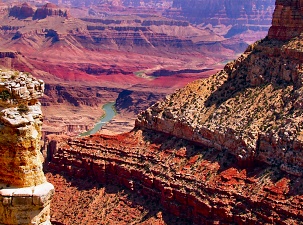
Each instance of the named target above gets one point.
<point>90,55</point>
<point>222,150</point>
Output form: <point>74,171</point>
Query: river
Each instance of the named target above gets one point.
<point>109,110</point>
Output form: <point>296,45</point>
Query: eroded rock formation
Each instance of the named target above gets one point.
<point>50,9</point>
<point>24,192</point>
<point>287,20</point>
<point>252,107</point>
<point>190,181</point>
<point>227,149</point>
<point>25,10</point>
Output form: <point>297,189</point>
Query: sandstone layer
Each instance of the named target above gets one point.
<point>24,192</point>
<point>21,122</point>
<point>196,184</point>
<point>26,206</point>
<point>287,22</point>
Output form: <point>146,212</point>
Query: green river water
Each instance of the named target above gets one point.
<point>110,113</point>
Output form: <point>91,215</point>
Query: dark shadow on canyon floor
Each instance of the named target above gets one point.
<point>150,206</point>
<point>255,169</point>
<point>170,150</point>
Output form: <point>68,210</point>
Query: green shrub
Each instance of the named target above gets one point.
<point>5,95</point>
<point>22,109</point>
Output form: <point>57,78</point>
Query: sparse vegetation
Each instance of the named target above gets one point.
<point>23,109</point>
<point>5,95</point>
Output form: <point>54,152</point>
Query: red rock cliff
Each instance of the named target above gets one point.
<point>200,184</point>
<point>287,20</point>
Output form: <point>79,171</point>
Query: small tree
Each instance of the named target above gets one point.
<point>23,109</point>
<point>5,95</point>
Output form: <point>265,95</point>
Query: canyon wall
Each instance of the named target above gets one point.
<point>24,192</point>
<point>222,113</point>
<point>287,20</point>
<point>214,113</point>
<point>25,10</point>
<point>216,12</point>
<point>190,181</point>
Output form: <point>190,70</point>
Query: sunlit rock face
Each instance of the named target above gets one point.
<point>24,192</point>
<point>287,20</point>
<point>222,112</point>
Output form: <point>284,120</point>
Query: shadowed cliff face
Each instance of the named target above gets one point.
<point>22,12</point>
<point>27,11</point>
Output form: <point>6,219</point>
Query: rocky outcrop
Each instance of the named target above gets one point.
<point>50,9</point>
<point>28,206</point>
<point>200,184</point>
<point>251,108</point>
<point>222,113</point>
<point>22,11</point>
<point>24,192</point>
<point>25,10</point>
<point>287,20</point>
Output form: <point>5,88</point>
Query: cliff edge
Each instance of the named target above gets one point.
<point>252,108</point>
<point>24,192</point>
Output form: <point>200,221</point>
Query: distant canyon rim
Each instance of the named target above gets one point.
<point>131,52</point>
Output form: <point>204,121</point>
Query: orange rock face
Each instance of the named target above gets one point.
<point>192,182</point>
<point>21,122</point>
<point>24,193</point>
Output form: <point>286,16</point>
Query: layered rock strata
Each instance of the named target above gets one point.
<point>25,10</point>
<point>24,192</point>
<point>247,13</point>
<point>287,20</point>
<point>252,108</point>
<point>200,184</point>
